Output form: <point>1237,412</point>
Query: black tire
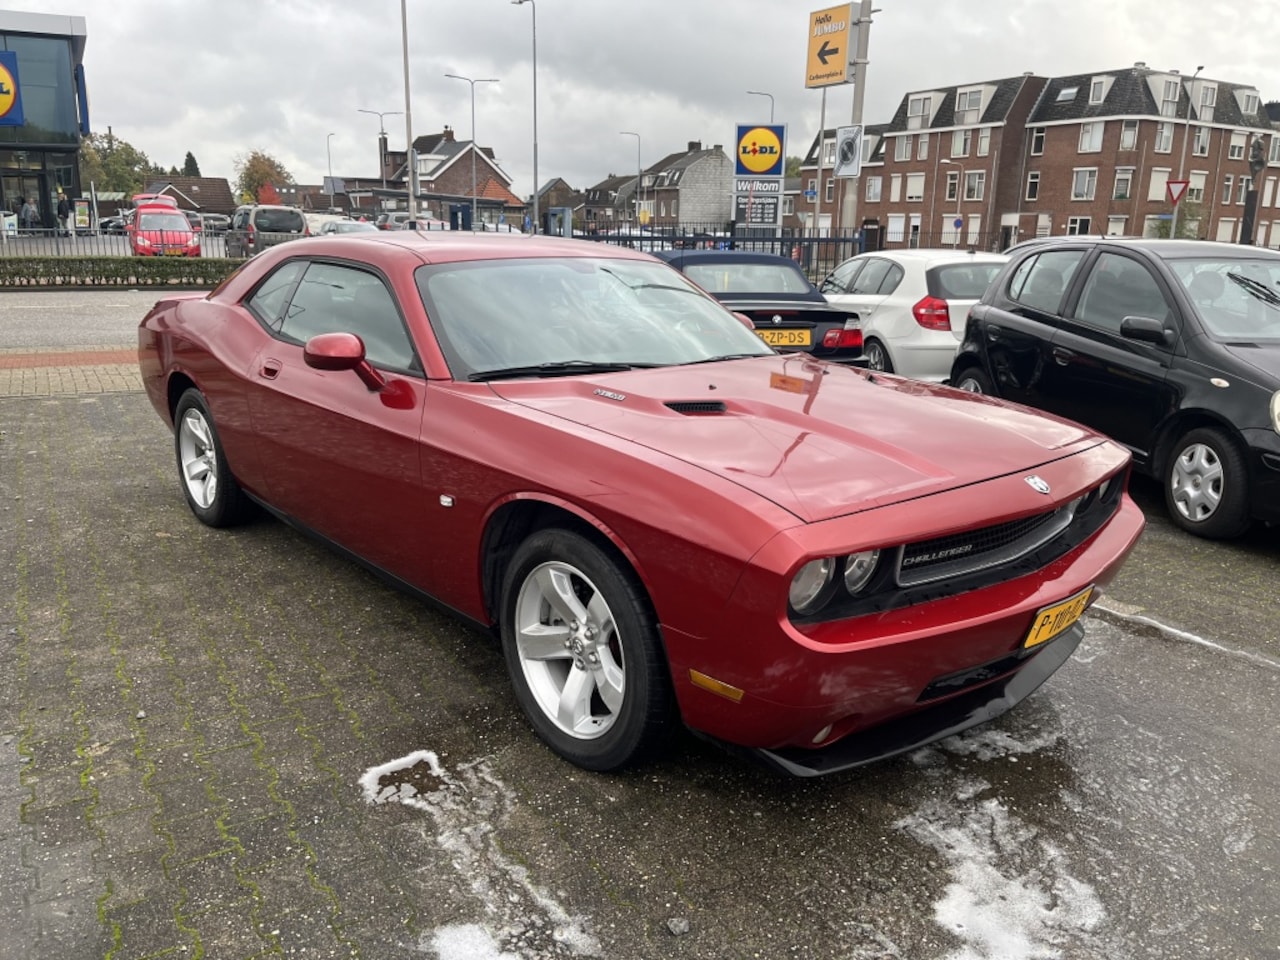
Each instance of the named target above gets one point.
<point>877,356</point>
<point>211,491</point>
<point>974,380</point>
<point>605,661</point>
<point>1206,485</point>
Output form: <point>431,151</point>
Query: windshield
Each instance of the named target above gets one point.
<point>728,276</point>
<point>164,221</point>
<point>492,315</point>
<point>1238,298</point>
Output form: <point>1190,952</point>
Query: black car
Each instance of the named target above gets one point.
<point>1170,346</point>
<point>788,311</point>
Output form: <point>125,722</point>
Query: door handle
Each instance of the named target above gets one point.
<point>270,368</point>
<point>1063,356</point>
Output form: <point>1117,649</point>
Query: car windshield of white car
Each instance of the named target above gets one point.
<point>561,316</point>
<point>1238,298</point>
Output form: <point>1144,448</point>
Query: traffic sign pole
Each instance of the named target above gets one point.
<point>817,194</point>
<point>859,92</point>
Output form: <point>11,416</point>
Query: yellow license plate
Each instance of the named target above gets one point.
<point>1051,621</point>
<point>785,338</point>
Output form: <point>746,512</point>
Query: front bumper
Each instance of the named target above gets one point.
<point>1264,473</point>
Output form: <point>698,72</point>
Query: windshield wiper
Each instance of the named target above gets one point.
<point>1259,290</point>
<point>727,356</point>
<point>558,368</point>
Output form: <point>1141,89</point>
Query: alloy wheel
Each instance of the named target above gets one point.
<point>199,458</point>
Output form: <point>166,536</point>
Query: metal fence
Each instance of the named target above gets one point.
<point>56,243</point>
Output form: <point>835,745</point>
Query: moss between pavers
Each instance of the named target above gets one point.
<point>200,272</point>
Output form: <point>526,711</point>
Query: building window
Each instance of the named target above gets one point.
<point>1195,186</point>
<point>922,147</point>
<point>915,187</point>
<point>1084,183</point>
<point>1078,226</point>
<point>788,206</point>
<point>1164,138</point>
<point>1159,183</point>
<point>829,153</point>
<point>1250,104</point>
<point>1037,141</point>
<point>961,141</point>
<point>1200,145</point>
<point>953,185</point>
<point>831,189</point>
<point>1129,135</point>
<point>676,203</point>
<point>984,141</point>
<point>1208,100</point>
<point>1227,183</point>
<point>1116,226</point>
<point>1274,156</point>
<point>895,187</point>
<point>1242,188</point>
<point>918,110</point>
<point>1124,184</point>
<point>975,185</point>
<point>902,148</point>
<point>1097,90</point>
<point>813,184</point>
<point>874,185</point>
<point>1236,150</point>
<point>1169,102</point>
<point>1091,137</point>
<point>1033,184</point>
<point>1067,94</point>
<point>968,106</point>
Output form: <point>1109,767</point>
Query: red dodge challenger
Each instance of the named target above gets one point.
<point>665,520</point>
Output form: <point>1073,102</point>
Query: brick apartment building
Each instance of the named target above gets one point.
<point>1030,156</point>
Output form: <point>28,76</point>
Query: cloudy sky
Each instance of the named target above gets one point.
<point>223,77</point>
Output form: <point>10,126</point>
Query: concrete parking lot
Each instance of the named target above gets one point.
<point>238,744</point>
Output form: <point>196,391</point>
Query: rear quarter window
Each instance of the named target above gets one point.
<point>961,281</point>
<point>1040,281</point>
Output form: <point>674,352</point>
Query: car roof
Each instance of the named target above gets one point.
<point>930,255</point>
<point>1157,247</point>
<point>722,256</point>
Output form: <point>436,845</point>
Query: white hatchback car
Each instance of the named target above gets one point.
<point>913,305</point>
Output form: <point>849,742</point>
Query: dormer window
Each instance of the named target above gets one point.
<point>1169,102</point>
<point>1250,104</point>
<point>919,110</point>
<point>1067,94</point>
<point>968,106</point>
<point>1098,90</point>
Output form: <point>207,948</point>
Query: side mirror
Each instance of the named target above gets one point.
<point>341,351</point>
<point>1146,330</point>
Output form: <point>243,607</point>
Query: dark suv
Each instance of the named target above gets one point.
<point>1170,346</point>
<point>256,227</point>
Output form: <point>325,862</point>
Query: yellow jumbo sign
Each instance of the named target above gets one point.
<point>829,53</point>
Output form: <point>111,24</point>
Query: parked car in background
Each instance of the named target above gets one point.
<point>193,218</point>
<point>787,310</point>
<point>664,520</point>
<point>112,226</point>
<point>1171,347</point>
<point>215,222</point>
<point>161,230</point>
<point>392,220</point>
<point>423,224</point>
<point>153,200</point>
<point>256,227</point>
<point>912,304</point>
<point>334,227</point>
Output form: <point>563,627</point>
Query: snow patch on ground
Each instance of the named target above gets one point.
<point>1011,895</point>
<point>466,807</point>
<point>988,743</point>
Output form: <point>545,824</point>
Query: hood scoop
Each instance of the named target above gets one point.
<point>696,407</point>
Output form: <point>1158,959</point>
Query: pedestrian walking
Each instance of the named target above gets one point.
<point>27,215</point>
<point>64,213</point>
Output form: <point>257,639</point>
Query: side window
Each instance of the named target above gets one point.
<point>241,218</point>
<point>332,298</point>
<point>1040,281</point>
<point>268,301</point>
<point>841,277</point>
<point>1119,287</point>
<point>872,275</point>
<point>891,280</point>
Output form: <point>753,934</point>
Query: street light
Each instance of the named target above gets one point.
<point>960,183</point>
<point>760,93</point>
<point>534,8</point>
<point>410,161</point>
<point>329,154</point>
<point>454,76</point>
<point>382,138</point>
<point>639,170</point>
<point>1182,159</point>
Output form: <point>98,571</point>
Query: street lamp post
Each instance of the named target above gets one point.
<point>382,138</point>
<point>761,93</point>
<point>639,170</point>
<point>1182,159</point>
<point>469,80</point>
<point>410,161</point>
<point>960,183</point>
<point>534,8</point>
<point>329,155</point>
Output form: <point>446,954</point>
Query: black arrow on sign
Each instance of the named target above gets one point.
<point>826,51</point>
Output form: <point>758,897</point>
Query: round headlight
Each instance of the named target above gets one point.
<point>1275,411</point>
<point>809,584</point>
<point>858,569</point>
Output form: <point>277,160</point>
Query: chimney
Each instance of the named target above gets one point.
<point>448,134</point>
<point>695,145</point>
<point>1141,64</point>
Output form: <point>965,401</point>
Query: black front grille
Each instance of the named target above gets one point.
<point>974,549</point>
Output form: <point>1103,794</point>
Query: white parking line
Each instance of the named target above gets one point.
<point>1118,611</point>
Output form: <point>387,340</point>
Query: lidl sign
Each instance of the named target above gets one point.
<point>760,151</point>
<point>10,94</point>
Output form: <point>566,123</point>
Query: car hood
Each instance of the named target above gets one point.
<point>819,440</point>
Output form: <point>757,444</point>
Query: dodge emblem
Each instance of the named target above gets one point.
<point>1036,484</point>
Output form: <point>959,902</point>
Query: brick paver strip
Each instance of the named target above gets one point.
<point>65,373</point>
<point>67,358</point>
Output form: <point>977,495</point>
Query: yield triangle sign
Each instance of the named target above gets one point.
<point>1176,189</point>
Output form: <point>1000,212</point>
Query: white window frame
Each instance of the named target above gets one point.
<point>961,143</point>
<point>1124,177</point>
<point>1164,138</point>
<point>1033,178</point>
<point>984,142</point>
<point>875,186</point>
<point>1074,224</point>
<point>1098,90</point>
<point>1195,186</point>
<point>1158,188</point>
<point>968,106</point>
<point>1170,97</point>
<point>1242,187</point>
<point>788,206</point>
<point>1228,187</point>
<point>922,147</point>
<point>975,184</point>
<point>1250,106</point>
<point>915,188</point>
<point>1037,140</point>
<point>1091,182</point>
<point>1274,156</point>
<point>902,148</point>
<point>918,111</point>
<point>829,153</point>
<point>1235,150</point>
<point>1200,145</point>
<point>1091,137</point>
<point>953,185</point>
<point>895,187</point>
<point>1129,135</point>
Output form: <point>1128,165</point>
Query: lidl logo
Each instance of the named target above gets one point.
<point>760,152</point>
<point>10,100</point>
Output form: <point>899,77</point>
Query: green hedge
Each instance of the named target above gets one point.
<point>196,272</point>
